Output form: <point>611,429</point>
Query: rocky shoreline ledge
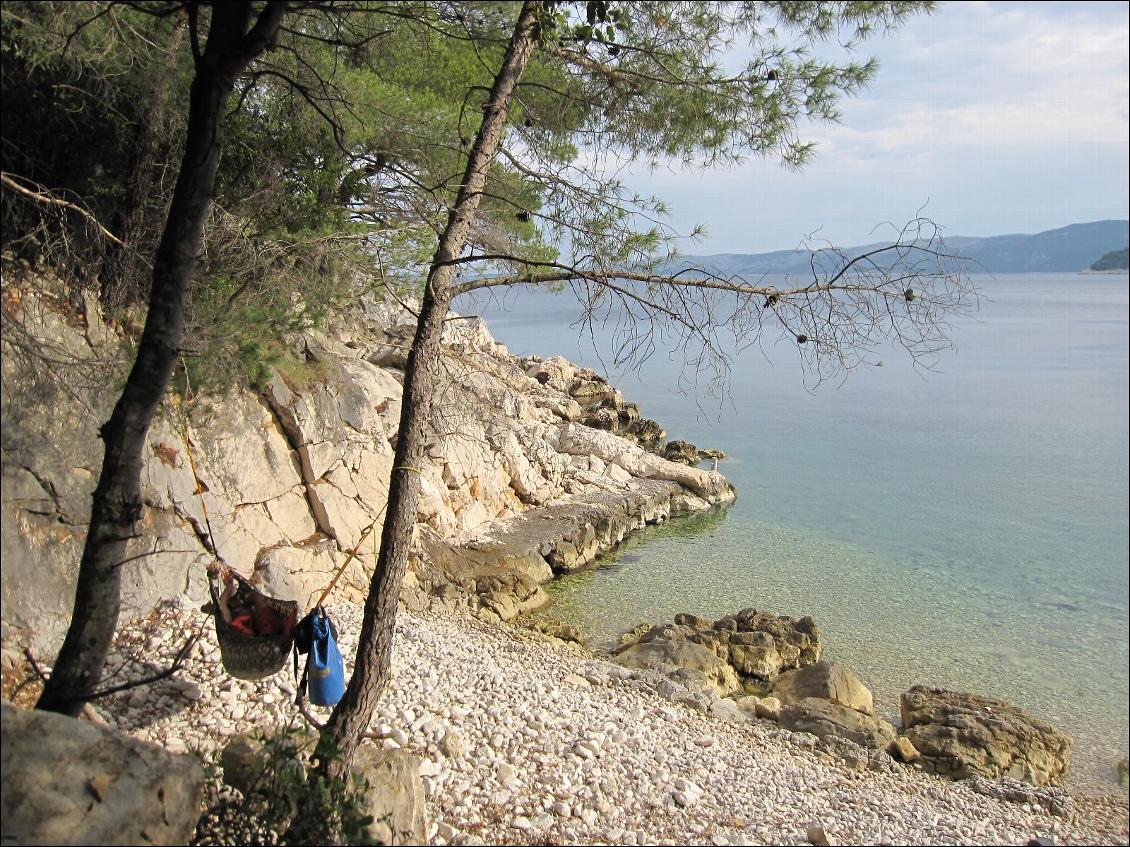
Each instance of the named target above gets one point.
<point>507,736</point>
<point>536,467</point>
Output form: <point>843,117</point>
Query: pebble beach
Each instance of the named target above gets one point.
<point>524,739</point>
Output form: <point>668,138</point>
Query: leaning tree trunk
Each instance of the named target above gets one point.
<point>117,501</point>
<point>350,719</point>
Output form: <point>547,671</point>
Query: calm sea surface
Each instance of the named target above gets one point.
<point>967,529</point>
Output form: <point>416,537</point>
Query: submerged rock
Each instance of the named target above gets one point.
<point>960,735</point>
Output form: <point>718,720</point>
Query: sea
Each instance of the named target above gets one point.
<point>963,526</point>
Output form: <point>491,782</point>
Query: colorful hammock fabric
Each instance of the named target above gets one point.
<point>246,654</point>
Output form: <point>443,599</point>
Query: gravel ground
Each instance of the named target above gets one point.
<point>524,741</point>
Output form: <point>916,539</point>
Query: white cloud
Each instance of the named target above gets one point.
<point>1006,117</point>
<point>989,74</point>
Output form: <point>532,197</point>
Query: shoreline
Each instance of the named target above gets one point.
<point>1099,779</point>
<point>522,740</point>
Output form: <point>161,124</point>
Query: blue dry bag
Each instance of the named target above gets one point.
<point>324,676</point>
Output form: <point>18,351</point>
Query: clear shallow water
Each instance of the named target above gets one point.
<point>968,530</point>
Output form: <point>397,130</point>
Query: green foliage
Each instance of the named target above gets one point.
<point>345,145</point>
<point>288,800</point>
<point>93,105</point>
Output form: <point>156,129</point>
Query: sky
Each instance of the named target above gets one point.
<point>990,117</point>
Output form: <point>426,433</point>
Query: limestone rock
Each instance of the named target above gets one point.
<point>242,760</point>
<point>757,645</point>
<point>293,473</point>
<point>667,657</point>
<point>647,433</point>
<point>828,681</point>
<point>394,796</point>
<point>72,782</point>
<point>725,709</point>
<point>960,735</point>
<point>554,628</point>
<point>693,621</point>
<point>817,836</point>
<point>768,708</point>
<point>824,718</point>
<point>763,644</point>
<point>633,635</point>
<point>905,750</point>
<point>584,441</point>
<point>681,451</point>
<point>454,744</point>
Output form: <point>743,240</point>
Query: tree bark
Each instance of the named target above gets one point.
<point>117,501</point>
<point>343,731</point>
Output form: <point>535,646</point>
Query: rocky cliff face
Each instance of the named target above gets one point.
<point>516,484</point>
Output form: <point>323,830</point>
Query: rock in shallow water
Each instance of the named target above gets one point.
<point>960,735</point>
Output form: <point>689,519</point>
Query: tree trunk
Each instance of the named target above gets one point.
<point>350,719</point>
<point>117,499</point>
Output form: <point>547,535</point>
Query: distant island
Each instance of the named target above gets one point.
<point>1115,260</point>
<point>1069,249</point>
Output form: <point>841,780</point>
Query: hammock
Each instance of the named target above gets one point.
<point>245,653</point>
<point>247,656</point>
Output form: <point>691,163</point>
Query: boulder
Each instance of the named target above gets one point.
<point>242,760</point>
<point>818,836</point>
<point>632,636</point>
<point>960,735</point>
<point>905,751</point>
<point>72,782</point>
<point>394,795</point>
<point>726,709</point>
<point>268,765</point>
<point>669,656</point>
<point>827,681</point>
<point>824,718</point>
<point>681,451</point>
<point>693,621</point>
<point>554,628</point>
<point>755,654</point>
<point>748,704</point>
<point>647,433</point>
<point>762,645</point>
<point>757,646</point>
<point>768,708</point>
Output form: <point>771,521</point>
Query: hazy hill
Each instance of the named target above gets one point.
<point>1115,260</point>
<point>1067,249</point>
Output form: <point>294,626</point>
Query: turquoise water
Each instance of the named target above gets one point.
<point>967,529</point>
